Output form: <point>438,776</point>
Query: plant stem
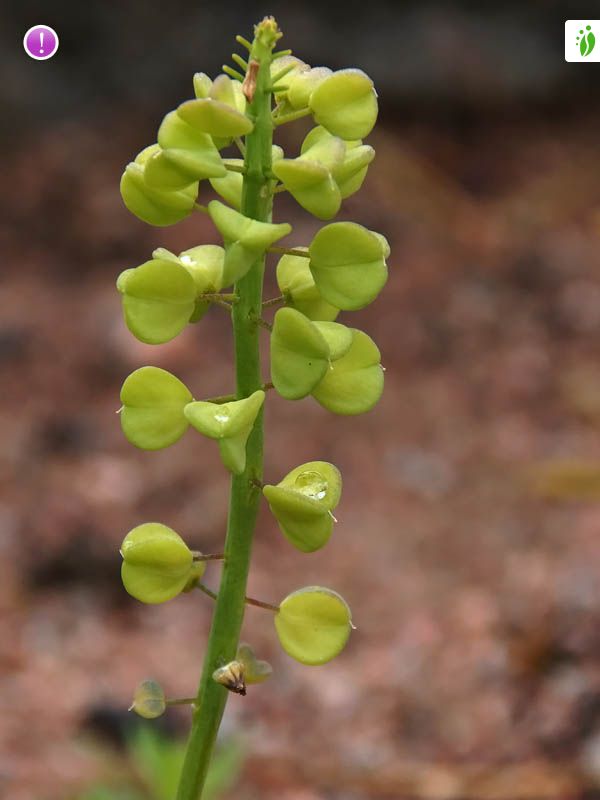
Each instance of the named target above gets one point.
<point>244,500</point>
<point>289,251</point>
<point>249,601</point>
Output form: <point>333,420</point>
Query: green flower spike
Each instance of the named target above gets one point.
<point>296,282</point>
<point>156,563</point>
<point>230,424</point>
<point>348,265</point>
<point>151,205</point>
<point>158,300</point>
<point>346,104</point>
<point>354,383</point>
<point>309,179</point>
<point>149,700</point>
<point>245,239</point>
<point>303,501</point>
<point>303,84</point>
<point>187,155</point>
<point>299,354</point>
<point>153,402</point>
<point>313,625</point>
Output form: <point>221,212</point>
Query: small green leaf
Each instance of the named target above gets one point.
<point>313,625</point>
<point>303,501</point>
<point>245,239</point>
<point>299,354</point>
<point>296,282</point>
<point>153,401</point>
<point>215,118</point>
<point>154,206</point>
<point>158,299</point>
<point>347,264</point>
<point>346,104</point>
<point>149,700</point>
<point>156,563</point>
<point>353,384</point>
<point>230,424</point>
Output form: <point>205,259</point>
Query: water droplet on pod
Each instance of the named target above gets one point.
<point>312,484</point>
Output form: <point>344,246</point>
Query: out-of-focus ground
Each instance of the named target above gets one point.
<point>474,670</point>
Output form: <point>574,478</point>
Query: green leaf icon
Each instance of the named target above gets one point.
<point>156,563</point>
<point>152,205</point>
<point>313,625</point>
<point>245,239</point>
<point>348,265</point>
<point>354,383</point>
<point>299,354</point>
<point>158,299</point>
<point>303,501</point>
<point>230,424</point>
<point>153,401</point>
<point>346,104</point>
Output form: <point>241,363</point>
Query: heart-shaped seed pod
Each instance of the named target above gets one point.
<point>157,563</point>
<point>158,299</point>
<point>186,155</point>
<point>302,503</point>
<point>153,402</point>
<point>350,174</point>
<point>245,239</point>
<point>297,284</point>
<point>149,700</point>
<point>255,670</point>
<point>229,187</point>
<point>202,84</point>
<point>354,382</point>
<point>302,85</point>
<point>230,92</point>
<point>230,424</point>
<point>346,104</point>
<point>205,265</point>
<point>338,337</point>
<point>311,185</point>
<point>151,205</point>
<point>299,354</point>
<point>313,625</point>
<point>348,265</point>
<point>215,118</point>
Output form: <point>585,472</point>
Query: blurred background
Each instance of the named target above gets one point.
<point>468,540</point>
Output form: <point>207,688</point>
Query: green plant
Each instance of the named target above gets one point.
<point>343,268</point>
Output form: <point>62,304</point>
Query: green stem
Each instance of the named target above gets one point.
<point>244,500</point>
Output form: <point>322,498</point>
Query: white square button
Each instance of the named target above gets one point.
<point>582,40</point>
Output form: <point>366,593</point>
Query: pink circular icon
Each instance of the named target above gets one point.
<point>40,42</point>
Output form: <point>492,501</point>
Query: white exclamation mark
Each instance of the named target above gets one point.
<point>41,41</point>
